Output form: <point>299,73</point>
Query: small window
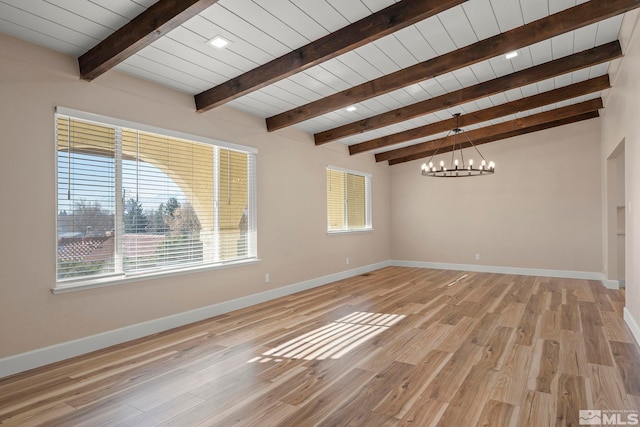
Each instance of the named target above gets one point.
<point>348,200</point>
<point>133,202</point>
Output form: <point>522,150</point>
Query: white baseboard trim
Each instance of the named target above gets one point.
<point>567,274</point>
<point>633,325</point>
<point>55,353</point>
<point>611,284</point>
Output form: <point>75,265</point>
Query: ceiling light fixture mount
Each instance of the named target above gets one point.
<point>457,167</point>
<point>219,42</point>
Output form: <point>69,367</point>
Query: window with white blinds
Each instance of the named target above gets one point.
<point>348,200</point>
<point>134,201</point>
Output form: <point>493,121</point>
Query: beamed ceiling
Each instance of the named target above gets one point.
<point>406,66</point>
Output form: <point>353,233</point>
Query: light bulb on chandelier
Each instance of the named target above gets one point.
<point>457,167</point>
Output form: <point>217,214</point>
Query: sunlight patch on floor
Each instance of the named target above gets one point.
<point>333,340</point>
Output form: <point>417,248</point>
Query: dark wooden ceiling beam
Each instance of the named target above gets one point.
<point>523,131</point>
<point>513,107</point>
<point>536,31</point>
<point>141,31</point>
<point>567,64</point>
<point>366,30</point>
<point>488,131</point>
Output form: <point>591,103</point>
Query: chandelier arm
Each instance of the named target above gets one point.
<point>474,146</point>
<point>438,149</point>
<point>453,152</point>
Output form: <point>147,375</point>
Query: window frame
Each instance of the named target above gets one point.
<point>368,202</point>
<point>67,285</point>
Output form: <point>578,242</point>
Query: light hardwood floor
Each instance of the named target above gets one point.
<point>398,346</point>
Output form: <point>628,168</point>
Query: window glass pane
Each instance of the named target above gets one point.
<point>356,201</point>
<point>348,203</point>
<point>163,220</point>
<point>335,200</point>
<point>233,211</point>
<point>131,201</point>
<point>86,208</point>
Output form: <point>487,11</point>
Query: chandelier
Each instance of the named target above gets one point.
<point>458,168</point>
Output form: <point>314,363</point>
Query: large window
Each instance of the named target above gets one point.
<point>348,200</point>
<point>134,201</point>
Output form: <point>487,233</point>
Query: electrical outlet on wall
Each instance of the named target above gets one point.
<point>266,278</point>
<point>347,261</point>
<point>477,257</point>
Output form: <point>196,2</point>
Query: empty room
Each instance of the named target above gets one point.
<point>320,213</point>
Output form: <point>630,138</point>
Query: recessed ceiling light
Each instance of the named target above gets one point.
<point>511,55</point>
<point>218,42</point>
<point>351,108</point>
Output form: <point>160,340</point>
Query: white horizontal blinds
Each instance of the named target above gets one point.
<point>86,202</point>
<point>348,200</point>
<point>356,201</point>
<point>133,201</point>
<point>235,223</point>
<point>168,201</point>
<point>336,201</point>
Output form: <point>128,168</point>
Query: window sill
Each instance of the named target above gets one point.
<point>361,230</point>
<point>82,285</point>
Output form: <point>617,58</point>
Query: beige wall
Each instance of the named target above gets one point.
<point>621,123</point>
<point>292,241</point>
<point>541,209</point>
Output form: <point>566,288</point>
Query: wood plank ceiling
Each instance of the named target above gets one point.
<point>406,66</point>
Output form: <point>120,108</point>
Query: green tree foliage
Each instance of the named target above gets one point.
<point>135,219</point>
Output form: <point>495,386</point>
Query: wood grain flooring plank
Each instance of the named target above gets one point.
<point>527,327</point>
<point>607,389</point>
<point>445,385</point>
<point>573,356</point>
<point>583,293</point>
<point>512,315</point>
<point>111,411</point>
<point>589,315</point>
<point>615,327</point>
<point>424,413</point>
<point>325,403</point>
<point>596,346</point>
<point>357,408</point>
<point>570,317</point>
<point>259,408</point>
<point>497,414</point>
<point>600,295</point>
<point>495,350</point>
<point>483,331</point>
<point>467,403</point>
<point>550,325</point>
<point>538,409</point>
<point>162,412</point>
<point>423,343</point>
<point>510,382</point>
<point>457,335</point>
<point>634,402</point>
<point>38,415</point>
<point>627,360</point>
<point>398,401</point>
<point>571,397</point>
<point>318,376</point>
<point>395,345</point>
<point>548,366</point>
